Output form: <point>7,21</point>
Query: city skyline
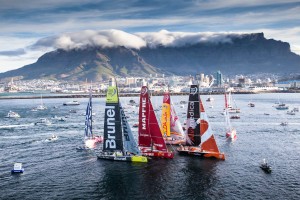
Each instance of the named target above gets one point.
<point>28,27</point>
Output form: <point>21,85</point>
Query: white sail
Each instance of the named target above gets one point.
<point>176,128</point>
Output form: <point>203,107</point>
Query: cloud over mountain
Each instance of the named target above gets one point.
<point>114,38</point>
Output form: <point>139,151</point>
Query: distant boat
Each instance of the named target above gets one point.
<point>17,168</point>
<point>119,143</point>
<point>71,103</point>
<point>230,131</point>
<point>266,167</point>
<point>231,108</point>
<point>41,106</point>
<point>250,104</point>
<point>235,117</point>
<point>52,138</point>
<point>283,123</point>
<point>200,140</point>
<point>43,121</point>
<point>291,112</point>
<point>281,106</point>
<point>12,114</point>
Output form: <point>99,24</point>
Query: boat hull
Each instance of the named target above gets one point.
<point>124,158</point>
<point>201,153</point>
<point>156,153</point>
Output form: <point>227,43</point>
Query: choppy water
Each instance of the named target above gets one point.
<point>55,170</point>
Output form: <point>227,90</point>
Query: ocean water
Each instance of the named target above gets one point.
<point>55,170</point>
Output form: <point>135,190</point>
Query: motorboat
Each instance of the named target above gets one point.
<point>235,117</point>
<point>43,121</point>
<point>71,103</point>
<point>52,138</point>
<point>266,167</point>
<point>12,114</point>
<point>251,105</point>
<point>17,168</point>
<point>282,106</point>
<point>283,123</point>
<point>291,112</point>
<point>41,107</point>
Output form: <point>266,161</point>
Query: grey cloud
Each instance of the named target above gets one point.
<point>16,52</point>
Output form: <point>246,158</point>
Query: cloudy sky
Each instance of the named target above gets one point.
<point>29,28</point>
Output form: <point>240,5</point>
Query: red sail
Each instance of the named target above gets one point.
<point>157,139</point>
<point>144,131</point>
<point>149,131</point>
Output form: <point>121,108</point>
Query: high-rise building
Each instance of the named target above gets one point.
<point>219,79</point>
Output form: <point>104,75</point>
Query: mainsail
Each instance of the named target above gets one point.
<point>193,114</point>
<point>170,124</point>
<point>149,132</point>
<point>112,122</point>
<point>130,144</point>
<point>88,120</point>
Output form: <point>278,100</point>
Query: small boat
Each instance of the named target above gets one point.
<point>72,111</point>
<point>34,110</point>
<point>266,167</point>
<point>210,99</point>
<point>283,123</point>
<point>230,131</point>
<point>119,143</point>
<point>12,114</point>
<point>266,114</point>
<point>71,103</point>
<point>41,106</point>
<point>282,106</point>
<point>296,109</point>
<point>43,121</point>
<point>235,117</point>
<point>52,138</point>
<point>17,168</point>
<point>291,112</point>
<point>251,104</point>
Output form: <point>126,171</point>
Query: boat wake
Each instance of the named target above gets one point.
<point>15,126</point>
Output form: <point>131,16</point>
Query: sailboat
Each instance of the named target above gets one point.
<point>151,141</point>
<point>89,139</point>
<point>232,109</point>
<point>119,143</point>
<point>230,131</point>
<point>170,125</point>
<point>200,140</point>
<point>41,106</point>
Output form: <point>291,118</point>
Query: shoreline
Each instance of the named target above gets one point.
<point>102,95</point>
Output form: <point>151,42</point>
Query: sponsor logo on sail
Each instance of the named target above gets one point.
<point>144,101</point>
<point>110,142</point>
<point>144,91</point>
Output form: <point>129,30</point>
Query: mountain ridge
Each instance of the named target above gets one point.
<point>239,54</point>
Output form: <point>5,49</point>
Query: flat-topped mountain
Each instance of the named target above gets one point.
<point>240,54</point>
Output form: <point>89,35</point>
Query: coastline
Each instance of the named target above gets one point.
<point>103,94</point>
